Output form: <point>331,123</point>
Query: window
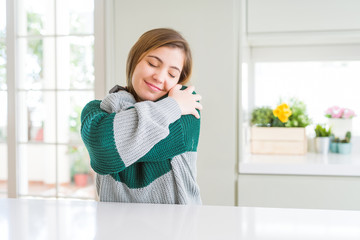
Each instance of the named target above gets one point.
<point>319,84</point>
<point>322,76</point>
<point>55,79</point>
<point>300,51</point>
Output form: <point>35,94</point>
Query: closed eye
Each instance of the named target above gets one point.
<point>150,64</point>
<point>171,75</point>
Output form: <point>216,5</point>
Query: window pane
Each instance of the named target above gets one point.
<point>3,169</point>
<point>2,18</point>
<point>2,66</point>
<point>76,177</point>
<point>36,17</point>
<point>36,121</point>
<point>36,63</point>
<point>3,145</point>
<point>37,169</point>
<point>70,105</point>
<point>3,117</point>
<point>74,17</point>
<point>75,61</point>
<point>319,84</point>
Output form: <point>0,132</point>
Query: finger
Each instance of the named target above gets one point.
<point>198,106</point>
<point>190,89</point>
<point>196,114</point>
<point>197,97</point>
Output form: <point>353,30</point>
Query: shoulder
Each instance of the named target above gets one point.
<point>89,107</point>
<point>117,101</point>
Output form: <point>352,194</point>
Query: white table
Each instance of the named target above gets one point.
<point>71,219</point>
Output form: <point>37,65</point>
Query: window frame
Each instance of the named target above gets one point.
<point>12,85</point>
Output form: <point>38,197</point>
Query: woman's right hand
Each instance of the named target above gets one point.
<point>187,101</point>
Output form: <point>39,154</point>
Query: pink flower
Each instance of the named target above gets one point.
<point>330,110</point>
<point>337,112</point>
<point>348,113</point>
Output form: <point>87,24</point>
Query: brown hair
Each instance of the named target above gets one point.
<point>152,40</point>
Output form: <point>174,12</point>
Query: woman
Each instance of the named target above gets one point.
<point>142,139</point>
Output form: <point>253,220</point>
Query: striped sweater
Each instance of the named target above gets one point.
<point>142,152</point>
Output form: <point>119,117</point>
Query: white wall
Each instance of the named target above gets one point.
<point>274,16</point>
<point>305,22</point>
<point>211,27</point>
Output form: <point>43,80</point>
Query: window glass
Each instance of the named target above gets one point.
<point>70,104</point>
<point>36,63</point>
<point>2,18</point>
<point>319,85</point>
<point>75,62</point>
<point>37,170</point>
<point>37,116</point>
<point>75,17</point>
<point>76,178</point>
<point>35,17</point>
<point>3,145</point>
<point>3,117</point>
<point>2,65</point>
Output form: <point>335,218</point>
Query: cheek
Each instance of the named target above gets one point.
<point>138,74</point>
<point>170,84</point>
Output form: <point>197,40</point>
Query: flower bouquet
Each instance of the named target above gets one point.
<point>293,114</point>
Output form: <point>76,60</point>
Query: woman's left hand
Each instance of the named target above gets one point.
<point>188,102</point>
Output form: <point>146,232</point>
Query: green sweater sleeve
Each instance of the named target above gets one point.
<point>98,135</point>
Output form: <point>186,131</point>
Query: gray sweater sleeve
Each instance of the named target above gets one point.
<point>138,127</point>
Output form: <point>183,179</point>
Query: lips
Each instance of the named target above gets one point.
<point>153,87</point>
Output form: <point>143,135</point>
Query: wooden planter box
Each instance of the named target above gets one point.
<point>278,140</point>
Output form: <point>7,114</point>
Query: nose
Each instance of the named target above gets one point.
<point>160,75</point>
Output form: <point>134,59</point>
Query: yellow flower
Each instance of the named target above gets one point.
<point>283,112</point>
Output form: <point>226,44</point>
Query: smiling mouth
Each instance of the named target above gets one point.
<point>153,87</point>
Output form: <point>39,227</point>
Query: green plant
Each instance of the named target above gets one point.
<point>335,140</point>
<point>79,166</point>
<point>78,154</point>
<point>347,138</point>
<point>321,131</point>
<point>74,119</point>
<point>79,160</point>
<point>299,117</point>
<point>262,116</point>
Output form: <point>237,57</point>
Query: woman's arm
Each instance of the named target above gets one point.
<point>183,137</point>
<point>97,134</point>
<point>140,133</point>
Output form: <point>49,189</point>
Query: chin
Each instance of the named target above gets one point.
<point>150,97</point>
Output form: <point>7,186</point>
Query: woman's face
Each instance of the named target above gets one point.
<point>157,73</point>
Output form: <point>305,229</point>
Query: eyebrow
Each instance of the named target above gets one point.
<point>162,62</point>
